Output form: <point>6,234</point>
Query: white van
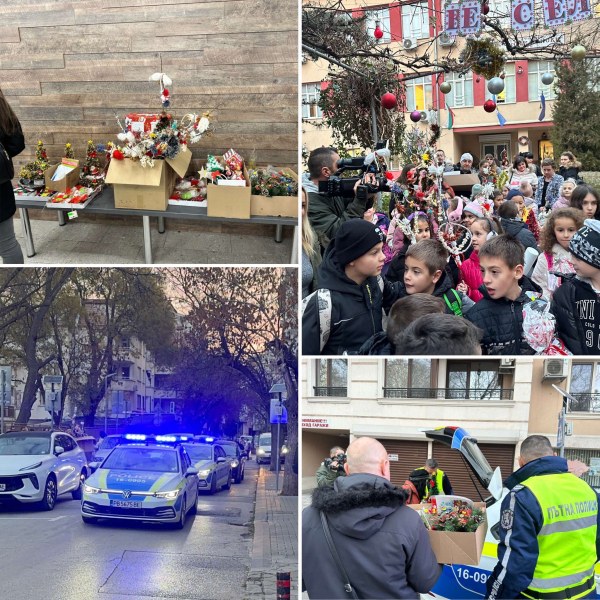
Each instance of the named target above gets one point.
<point>263,448</point>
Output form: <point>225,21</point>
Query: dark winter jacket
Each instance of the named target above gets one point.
<point>576,308</point>
<point>519,230</point>
<point>571,171</point>
<point>356,312</point>
<point>14,144</point>
<point>502,320</point>
<point>382,543</point>
<point>520,523</point>
<point>378,345</point>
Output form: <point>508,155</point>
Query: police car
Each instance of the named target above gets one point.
<point>142,482</point>
<point>464,582</point>
<point>214,468</point>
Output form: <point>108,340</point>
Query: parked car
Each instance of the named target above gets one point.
<point>237,458</point>
<point>40,466</point>
<point>142,482</point>
<point>263,449</point>
<point>214,468</point>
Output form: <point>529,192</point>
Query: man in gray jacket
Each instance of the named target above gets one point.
<point>382,543</point>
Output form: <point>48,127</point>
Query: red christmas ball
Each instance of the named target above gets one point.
<point>165,93</point>
<point>485,8</point>
<point>388,100</point>
<point>489,106</point>
<point>378,33</point>
<point>389,175</point>
<point>415,116</point>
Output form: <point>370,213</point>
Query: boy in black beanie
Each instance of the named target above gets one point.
<point>576,303</point>
<point>348,307</point>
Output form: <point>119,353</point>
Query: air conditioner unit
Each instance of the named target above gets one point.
<point>507,365</point>
<point>555,368</point>
<point>446,40</point>
<point>424,116</point>
<point>409,43</point>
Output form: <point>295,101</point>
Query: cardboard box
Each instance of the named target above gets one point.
<point>461,183</point>
<point>229,202</point>
<point>143,187</point>
<point>458,547</point>
<point>276,206</point>
<point>62,185</point>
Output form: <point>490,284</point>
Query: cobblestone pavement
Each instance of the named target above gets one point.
<point>275,542</point>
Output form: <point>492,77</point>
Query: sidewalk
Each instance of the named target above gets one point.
<point>275,541</point>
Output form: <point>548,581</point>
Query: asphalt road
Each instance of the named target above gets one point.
<point>55,556</point>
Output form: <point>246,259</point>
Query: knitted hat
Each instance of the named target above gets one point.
<point>476,190</point>
<point>474,208</point>
<point>514,193</point>
<point>355,238</point>
<point>585,244</point>
<point>466,156</point>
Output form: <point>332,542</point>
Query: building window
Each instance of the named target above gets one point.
<point>372,17</point>
<point>125,343</point>
<point>140,403</point>
<point>461,94</point>
<point>418,94</point>
<point>415,21</point>
<point>332,377</point>
<point>509,94</point>
<point>172,407</point>
<point>310,96</point>
<point>475,380</point>
<point>125,372</point>
<point>501,10</point>
<point>585,387</point>
<point>535,71</point>
<point>408,378</point>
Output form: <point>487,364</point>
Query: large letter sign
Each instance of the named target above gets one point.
<point>555,12</point>
<point>463,17</point>
<point>522,15</point>
<point>579,9</point>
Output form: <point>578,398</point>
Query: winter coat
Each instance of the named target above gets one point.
<point>521,521</point>
<point>541,272</point>
<point>413,495</point>
<point>576,308</point>
<point>519,230</point>
<point>515,178</point>
<point>395,271</point>
<point>502,320</point>
<point>326,476</point>
<point>310,265</point>
<point>382,543</point>
<point>571,171</point>
<point>552,193</point>
<point>327,214</point>
<point>378,345</point>
<point>14,144</point>
<point>562,202</point>
<point>471,275</point>
<point>356,312</point>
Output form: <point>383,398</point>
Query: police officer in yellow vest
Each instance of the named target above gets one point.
<point>549,530</point>
<point>439,483</point>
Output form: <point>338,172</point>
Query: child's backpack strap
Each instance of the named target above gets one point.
<point>455,305</point>
<point>323,300</point>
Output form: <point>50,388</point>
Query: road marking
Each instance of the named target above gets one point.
<point>31,518</point>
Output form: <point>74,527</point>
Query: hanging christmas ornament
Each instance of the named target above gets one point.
<point>578,52</point>
<point>489,106</point>
<point>415,116</point>
<point>389,101</point>
<point>164,81</point>
<point>445,87</point>
<point>378,33</point>
<point>485,8</point>
<point>547,78</point>
<point>502,75</point>
<point>495,85</point>
<point>164,98</point>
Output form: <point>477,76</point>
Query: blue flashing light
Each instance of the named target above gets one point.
<point>166,438</point>
<point>209,439</point>
<point>184,438</point>
<point>140,437</point>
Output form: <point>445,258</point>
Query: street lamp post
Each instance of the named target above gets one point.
<point>106,378</point>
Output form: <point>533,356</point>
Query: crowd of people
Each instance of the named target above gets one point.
<point>513,267</point>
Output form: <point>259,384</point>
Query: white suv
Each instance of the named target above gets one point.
<point>40,466</point>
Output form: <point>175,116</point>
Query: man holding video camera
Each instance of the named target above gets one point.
<point>331,468</point>
<point>327,212</point>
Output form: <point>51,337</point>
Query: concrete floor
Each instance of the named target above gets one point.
<point>121,241</point>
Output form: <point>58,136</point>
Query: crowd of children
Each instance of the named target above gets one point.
<point>512,270</point>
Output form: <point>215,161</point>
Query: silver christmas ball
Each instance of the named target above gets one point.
<point>445,87</point>
<point>495,85</point>
<point>547,78</point>
<point>578,52</point>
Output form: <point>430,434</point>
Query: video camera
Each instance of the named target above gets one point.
<point>344,186</point>
<point>340,459</point>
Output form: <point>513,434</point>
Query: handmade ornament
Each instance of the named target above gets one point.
<point>164,81</point>
<point>388,100</point>
<point>489,106</point>
<point>538,325</point>
<point>456,238</point>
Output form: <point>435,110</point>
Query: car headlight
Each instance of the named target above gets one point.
<point>204,473</point>
<point>285,450</point>
<point>168,495</point>
<point>260,451</point>
<point>234,463</point>
<point>35,466</point>
<point>88,489</point>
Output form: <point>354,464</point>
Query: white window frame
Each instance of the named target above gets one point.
<point>410,85</point>
<point>310,97</point>
<point>383,16</point>
<point>415,21</point>
<point>501,7</point>
<point>123,376</point>
<point>465,85</point>
<point>536,68</point>
<point>510,86</point>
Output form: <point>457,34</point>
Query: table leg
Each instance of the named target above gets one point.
<point>147,240</point>
<point>294,258</point>
<point>161,224</point>
<point>24,213</point>
<point>278,233</point>
<point>61,218</point>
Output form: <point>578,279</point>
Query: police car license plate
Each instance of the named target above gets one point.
<point>126,504</point>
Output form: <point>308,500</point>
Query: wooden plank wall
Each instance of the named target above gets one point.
<point>67,67</point>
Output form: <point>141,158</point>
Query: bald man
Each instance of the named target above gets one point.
<point>382,543</point>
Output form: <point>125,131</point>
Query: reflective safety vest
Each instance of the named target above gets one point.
<point>438,483</point>
<point>567,539</point>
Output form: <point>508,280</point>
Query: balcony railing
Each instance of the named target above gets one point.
<point>585,402</point>
<point>337,391</point>
<point>449,393</point>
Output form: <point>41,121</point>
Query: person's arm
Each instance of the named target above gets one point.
<point>520,521</point>
<point>447,485</point>
<point>14,143</point>
<point>422,568</point>
<point>563,308</point>
<point>540,274</point>
<point>538,191</point>
<point>311,330</point>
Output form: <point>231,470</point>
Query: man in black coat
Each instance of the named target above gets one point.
<point>383,544</point>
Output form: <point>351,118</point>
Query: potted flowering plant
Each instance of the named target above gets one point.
<point>461,517</point>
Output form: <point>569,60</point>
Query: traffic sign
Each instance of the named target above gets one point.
<point>6,386</point>
<point>52,381</point>
<point>278,412</point>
